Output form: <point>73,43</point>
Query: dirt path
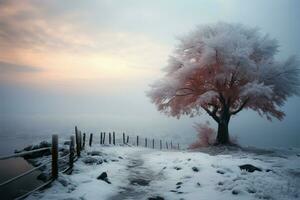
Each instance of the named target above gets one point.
<point>139,180</point>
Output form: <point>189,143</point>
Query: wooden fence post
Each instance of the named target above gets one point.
<point>178,146</point>
<point>153,143</point>
<point>114,138</point>
<point>103,142</point>
<point>127,139</point>
<point>123,138</point>
<point>109,138</point>
<point>77,142</point>
<point>54,154</point>
<point>160,144</point>
<point>137,141</point>
<point>167,145</point>
<point>101,138</point>
<point>80,141</point>
<point>145,142</point>
<point>91,140</point>
<point>83,144</point>
<point>171,145</point>
<point>71,157</point>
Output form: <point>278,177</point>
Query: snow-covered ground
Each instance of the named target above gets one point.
<point>140,173</point>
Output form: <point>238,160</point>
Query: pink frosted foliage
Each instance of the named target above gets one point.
<point>222,69</point>
<point>206,135</point>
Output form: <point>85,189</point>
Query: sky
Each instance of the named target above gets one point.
<point>89,63</point>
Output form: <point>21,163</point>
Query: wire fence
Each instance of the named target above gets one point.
<point>76,145</point>
<point>112,138</point>
<point>54,161</point>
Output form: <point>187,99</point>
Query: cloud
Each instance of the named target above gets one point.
<point>30,25</point>
<point>6,68</point>
<point>73,44</point>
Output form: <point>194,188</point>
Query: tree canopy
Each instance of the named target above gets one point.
<point>223,68</point>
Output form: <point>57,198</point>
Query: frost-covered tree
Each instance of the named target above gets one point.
<point>222,69</point>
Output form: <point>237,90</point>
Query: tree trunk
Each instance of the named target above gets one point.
<point>223,135</point>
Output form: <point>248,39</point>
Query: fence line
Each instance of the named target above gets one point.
<point>126,139</point>
<point>23,153</point>
<point>23,174</point>
<point>54,160</point>
<point>80,141</point>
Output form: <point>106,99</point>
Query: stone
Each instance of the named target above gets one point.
<point>28,148</point>
<point>251,190</point>
<point>177,168</point>
<point>103,177</point>
<point>64,182</point>
<point>179,183</point>
<point>17,151</point>
<point>235,192</point>
<point>35,147</point>
<point>195,169</point>
<point>156,198</point>
<point>37,154</point>
<point>249,168</point>
<point>91,160</point>
<point>44,144</point>
<point>220,171</point>
<point>94,153</point>
<point>70,198</point>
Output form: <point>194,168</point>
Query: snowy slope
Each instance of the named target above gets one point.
<point>139,173</point>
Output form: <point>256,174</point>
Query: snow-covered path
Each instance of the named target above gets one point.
<point>143,174</point>
<point>139,177</point>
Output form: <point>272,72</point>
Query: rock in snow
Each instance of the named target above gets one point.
<point>95,153</point>
<point>195,169</point>
<point>38,154</point>
<point>104,177</point>
<point>249,168</point>
<point>220,171</point>
<point>235,192</point>
<point>90,160</point>
<point>156,198</point>
<point>179,183</point>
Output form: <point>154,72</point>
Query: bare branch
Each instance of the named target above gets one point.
<point>240,108</point>
<point>185,88</point>
<point>183,95</point>
<point>212,114</point>
<point>222,99</point>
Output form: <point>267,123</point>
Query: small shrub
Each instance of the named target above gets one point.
<point>206,135</point>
